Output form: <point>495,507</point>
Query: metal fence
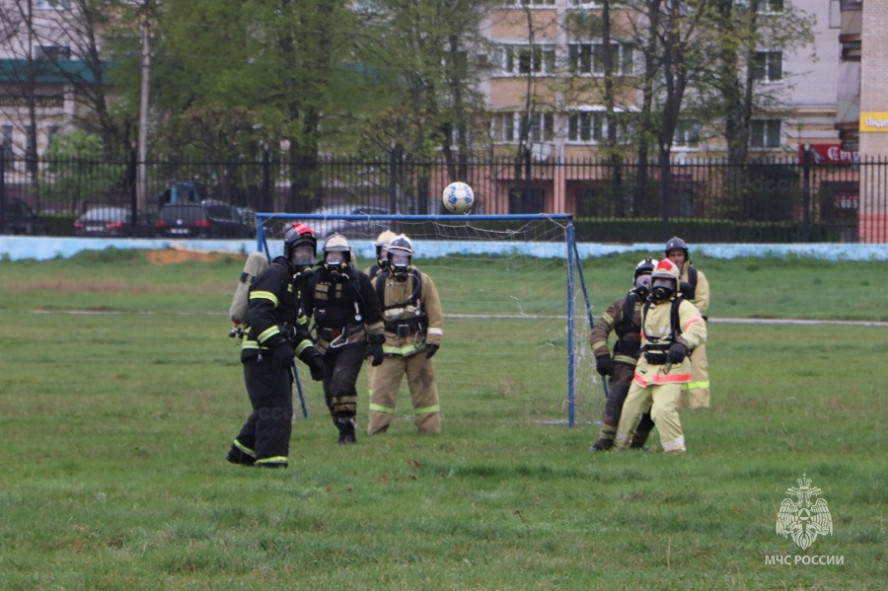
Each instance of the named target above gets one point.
<point>769,200</point>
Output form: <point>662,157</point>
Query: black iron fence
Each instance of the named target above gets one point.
<point>798,199</point>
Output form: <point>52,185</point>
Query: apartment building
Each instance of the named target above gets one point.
<point>40,73</point>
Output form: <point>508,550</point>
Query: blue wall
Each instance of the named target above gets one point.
<point>43,248</point>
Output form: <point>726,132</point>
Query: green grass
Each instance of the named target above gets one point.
<point>115,425</point>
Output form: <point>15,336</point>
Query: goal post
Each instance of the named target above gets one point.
<point>498,277</point>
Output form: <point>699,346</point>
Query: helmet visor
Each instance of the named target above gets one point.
<point>302,255</point>
<point>400,259</point>
<point>334,258</point>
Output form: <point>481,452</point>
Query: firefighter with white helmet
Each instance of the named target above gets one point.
<point>381,243</point>
<point>273,334</point>
<point>694,287</point>
<point>414,327</point>
<point>623,317</point>
<point>348,320</point>
<point>671,328</point>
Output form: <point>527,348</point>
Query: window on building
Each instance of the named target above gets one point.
<point>507,127</point>
<point>6,139</point>
<point>504,127</point>
<point>52,53</point>
<point>687,134</point>
<point>590,58</point>
<point>526,59</point>
<point>528,2</point>
<point>767,66</point>
<point>592,126</point>
<point>51,132</point>
<point>764,133</point>
<point>52,4</point>
<point>769,6</point>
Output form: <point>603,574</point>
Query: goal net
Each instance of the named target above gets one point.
<point>516,321</point>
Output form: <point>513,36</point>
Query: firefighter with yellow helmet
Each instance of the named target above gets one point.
<point>623,318</point>
<point>348,320</point>
<point>414,327</point>
<point>671,328</point>
<point>695,288</point>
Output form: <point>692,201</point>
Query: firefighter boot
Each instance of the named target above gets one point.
<point>605,438</point>
<point>237,456</point>
<point>346,431</point>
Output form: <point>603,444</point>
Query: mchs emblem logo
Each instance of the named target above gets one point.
<point>802,516</point>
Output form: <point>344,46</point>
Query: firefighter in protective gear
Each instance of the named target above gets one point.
<point>381,244</point>
<point>272,337</point>
<point>624,318</point>
<point>414,326</point>
<point>695,288</point>
<point>671,327</point>
<point>348,320</point>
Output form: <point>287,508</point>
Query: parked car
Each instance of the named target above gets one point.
<point>109,221</point>
<point>18,218</point>
<point>207,219</point>
<point>359,229</point>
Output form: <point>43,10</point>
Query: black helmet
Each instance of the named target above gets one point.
<point>299,235</point>
<point>676,243</point>
<point>645,267</point>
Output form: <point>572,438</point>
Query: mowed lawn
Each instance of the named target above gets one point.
<point>120,393</point>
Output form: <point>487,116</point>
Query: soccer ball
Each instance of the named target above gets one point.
<point>458,197</point>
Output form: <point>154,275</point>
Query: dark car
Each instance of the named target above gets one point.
<point>17,218</point>
<point>360,229</point>
<point>207,219</point>
<point>108,221</point>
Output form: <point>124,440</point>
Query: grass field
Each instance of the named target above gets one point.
<point>119,395</point>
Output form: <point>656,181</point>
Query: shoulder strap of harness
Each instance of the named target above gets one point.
<point>415,298</point>
<point>626,324</point>
<point>692,275</point>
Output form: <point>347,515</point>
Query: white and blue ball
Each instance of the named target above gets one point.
<point>458,197</point>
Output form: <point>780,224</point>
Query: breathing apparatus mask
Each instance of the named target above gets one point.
<point>337,263</point>
<point>643,286</point>
<point>662,289</point>
<point>399,262</point>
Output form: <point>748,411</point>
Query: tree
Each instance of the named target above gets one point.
<point>78,171</point>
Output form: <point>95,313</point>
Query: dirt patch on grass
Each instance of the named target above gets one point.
<point>171,256</point>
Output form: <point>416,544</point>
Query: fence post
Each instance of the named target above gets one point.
<point>2,184</point>
<point>132,173</point>
<point>806,194</point>
<point>268,204</point>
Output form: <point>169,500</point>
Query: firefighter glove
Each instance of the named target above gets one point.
<point>431,350</point>
<point>604,365</point>
<point>315,362</point>
<point>376,353</point>
<point>677,352</point>
<point>283,355</point>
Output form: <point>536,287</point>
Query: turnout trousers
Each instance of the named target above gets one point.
<point>698,388</point>
<point>384,383</point>
<point>618,389</point>
<point>341,368</point>
<point>266,434</point>
<point>662,402</point>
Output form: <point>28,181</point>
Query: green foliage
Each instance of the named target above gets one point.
<point>78,172</point>
<point>116,426</point>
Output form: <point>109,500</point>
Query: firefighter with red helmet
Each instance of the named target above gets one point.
<point>414,326</point>
<point>348,320</point>
<point>623,317</point>
<point>671,328</point>
<point>272,336</point>
<point>695,288</point>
